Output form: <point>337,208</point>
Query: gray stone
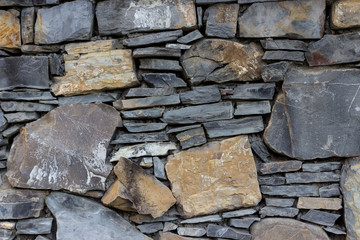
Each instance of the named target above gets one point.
<point>283,166</point>
<point>190,37</point>
<point>294,19</point>
<point>3,153</point>
<point>147,102</point>
<point>160,80</point>
<point>205,2</point>
<point>291,190</point>
<point>307,177</point>
<point>279,202</point>
<point>11,131</point>
<point>7,234</point>
<point>243,222</point>
<point>238,213</point>
<point>254,91</point>
<point>169,226</point>
<point>137,127</point>
<point>140,219</point>
<point>345,49</point>
<point>45,2</point>
<point>320,217</point>
<point>191,138</point>
<point>221,20</point>
<point>199,12</point>
<point>252,108</point>
<point>210,218</point>
<point>51,102</point>
<point>274,72</point>
<point>254,1</point>
<point>66,22</point>
<point>27,25</point>
<point>191,231</point>
<point>178,46</point>
<point>3,122</point>
<point>34,226</point>
<point>39,237</point>
<point>33,49</point>
<point>156,52</point>
<point>143,113</point>
<point>24,71</point>
<point>226,232</point>
<point>296,56</point>
<point>149,228</point>
<point>22,3</point>
<point>335,231</point>
<point>150,92</point>
<point>27,96</point>
<point>81,218</point>
<point>126,16</point>
<point>332,190</point>
<point>160,64</point>
<point>56,65</point>
<point>201,95</point>
<point>19,117</point>
<point>25,107</point>
<point>146,162</point>
<point>3,54</point>
<point>122,138</point>
<point>3,141</point>
<point>278,211</point>
<point>234,127</point>
<point>159,168</point>
<point>182,129</point>
<point>321,167</point>
<point>259,148</point>
<point>153,38</point>
<point>90,98</point>
<point>202,113</point>
<point>273,180</point>
<point>2,164</point>
<point>284,45</point>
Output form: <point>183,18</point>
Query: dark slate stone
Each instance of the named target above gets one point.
<point>182,129</point>
<point>332,190</point>
<point>190,37</point>
<point>279,202</point>
<point>205,2</point>
<point>159,168</point>
<point>226,232</point>
<point>149,228</point>
<point>322,130</point>
<point>7,234</point>
<point>291,190</point>
<point>83,219</point>
<point>252,108</point>
<point>27,96</point>
<point>22,3</point>
<point>201,113</point>
<point>122,138</point>
<point>335,231</point>
<point>320,217</point>
<point>209,218</point>
<point>51,102</point>
<point>254,1</point>
<point>24,71</point>
<point>243,222</point>
<point>45,2</point>
<point>27,25</point>
<point>2,164</point>
<point>147,102</point>
<point>34,226</point>
<point>274,72</point>
<point>11,131</point>
<point>90,98</point>
<point>56,65</point>
<point>66,22</point>
<point>178,46</point>
<point>283,166</point>
<point>156,52</point>
<point>296,56</point>
<point>321,167</point>
<point>306,177</point>
<point>143,113</point>
<point>3,54</point>
<point>3,141</point>
<point>284,45</point>
<point>137,127</point>
<point>3,153</point>
<point>234,127</point>
<point>199,12</point>
<point>25,107</point>
<point>254,91</point>
<point>278,211</point>
<point>19,117</point>
<point>239,213</point>
<point>273,180</point>
<point>140,219</point>
<point>33,49</point>
<point>191,138</point>
<point>259,148</point>
<point>160,80</point>
<point>3,121</point>
<point>149,92</point>
<point>160,64</point>
<point>153,38</point>
<point>345,48</point>
<point>201,95</point>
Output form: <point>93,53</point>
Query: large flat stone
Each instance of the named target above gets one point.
<point>191,231</point>
<point>25,107</point>
<point>46,148</point>
<point>332,190</point>
<point>149,92</point>
<point>301,129</point>
<point>143,113</point>
<point>137,127</point>
<point>9,30</point>
<point>92,46</point>
<point>344,14</point>
<point>299,19</point>
<point>280,202</point>
<point>122,17</point>
<point>97,71</point>
<point>321,167</point>
<point>284,45</point>
<point>153,38</point>
<point>296,56</point>
<point>201,95</point>
<point>66,22</point>
<point>221,20</point>
<point>319,203</point>
<point>89,98</point>
<point>205,171</point>
<point>238,213</point>
<point>160,64</point>
<point>243,222</point>
<point>22,3</point>
<point>291,190</point>
<point>252,108</point>
<point>19,117</point>
<point>320,217</point>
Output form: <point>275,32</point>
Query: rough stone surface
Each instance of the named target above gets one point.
<point>122,17</point>
<point>201,95</point>
<point>149,228</point>
<point>117,196</point>
<point>278,211</point>
<point>182,129</point>
<point>305,177</point>
<point>23,3</point>
<point>221,20</point>
<point>46,148</point>
<point>227,232</point>
<point>191,138</point>
<point>25,107</point>
<point>7,234</point>
<point>34,226</point>
<point>243,222</point>
<point>320,217</point>
<point>294,19</point>
<point>252,108</point>
<point>178,46</point>
<point>153,38</point>
<point>140,137</point>
<point>254,91</point>
<point>274,72</point>
<point>279,228</point>
<point>296,56</point>
<point>147,102</point>
<point>143,113</point>
<point>191,231</point>
<point>163,80</point>
<point>81,218</point>
<point>9,30</point>
<point>210,218</point>
<point>284,166</point>
<point>284,45</point>
<point>280,202</point>
<point>160,64</point>
<point>259,148</point>
<point>190,37</point>
<point>27,25</point>
<point>291,190</point>
<point>3,121</point>
<point>344,14</point>
<point>89,98</point>
<point>211,167</point>
<point>137,127</point>
<point>156,52</point>
<point>19,117</point>
<point>272,181</point>
<point>171,236</point>
<point>159,169</point>
<point>321,167</point>
<point>33,49</point>
<point>66,22</point>
<point>319,203</point>
<point>90,47</point>
<point>150,92</point>
<point>332,190</point>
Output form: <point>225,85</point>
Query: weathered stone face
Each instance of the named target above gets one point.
<point>217,176</point>
<point>345,14</point>
<point>221,20</point>
<point>65,149</point>
<point>238,62</point>
<point>9,30</point>
<point>300,19</point>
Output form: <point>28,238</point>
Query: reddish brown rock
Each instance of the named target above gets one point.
<point>9,29</point>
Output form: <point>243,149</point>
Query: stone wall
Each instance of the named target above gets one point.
<point>179,119</point>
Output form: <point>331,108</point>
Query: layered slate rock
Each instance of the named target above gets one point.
<point>221,20</point>
<point>71,135</point>
<point>97,71</point>
<point>122,17</point>
<point>9,30</point>
<point>221,61</point>
<point>27,25</point>
<point>299,19</point>
<point>226,232</point>
<point>344,14</point>
<point>81,218</point>
<point>318,117</point>
<point>225,167</point>
<point>279,228</point>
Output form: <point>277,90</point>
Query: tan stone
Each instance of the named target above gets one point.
<point>90,47</point>
<point>117,197</point>
<point>148,195</point>
<point>345,14</point>
<point>214,177</point>
<point>172,236</point>
<point>319,203</point>
<point>9,30</point>
<point>97,71</point>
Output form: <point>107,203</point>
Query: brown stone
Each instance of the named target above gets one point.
<point>90,47</point>
<point>345,14</point>
<point>319,203</point>
<point>172,236</point>
<point>97,71</point>
<point>148,195</point>
<point>117,197</point>
<point>215,177</point>
<point>9,30</point>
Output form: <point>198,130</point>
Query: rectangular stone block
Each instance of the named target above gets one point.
<point>147,102</point>
<point>153,38</point>
<point>156,52</point>
<point>295,56</point>
<point>201,95</point>
<point>143,113</point>
<point>254,91</point>
<point>306,177</point>
<point>280,202</point>
<point>284,166</point>
<point>27,25</point>
<point>92,46</point>
<point>321,167</point>
<point>319,203</point>
<point>9,30</point>
<point>284,45</point>
<point>160,64</point>
<point>149,92</point>
<point>191,138</point>
<point>291,190</point>
<point>273,180</point>
<point>252,108</point>
<point>122,138</point>
<point>320,217</point>
<point>278,212</point>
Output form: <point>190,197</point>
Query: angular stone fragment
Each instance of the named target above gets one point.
<point>319,203</point>
<point>81,218</point>
<point>226,232</point>
<point>321,167</point>
<point>159,169</point>
<point>190,37</point>
<point>147,102</point>
<point>56,64</point>
<point>24,71</point>
<point>334,230</point>
<point>278,211</point>
<point>117,196</point>
<point>11,131</point>
<point>221,61</point>
<point>201,95</point>
<point>191,138</point>
<point>27,25</point>
<point>291,190</point>
<point>156,52</point>
<point>284,166</point>
<point>10,225</point>
<point>182,129</point>
<point>89,98</point>
<point>153,38</point>
<point>27,96</point>
<point>97,71</point>
<point>7,234</point>
<point>92,46</point>
<point>273,180</point>
<point>243,222</point>
<point>294,19</point>
<point>9,30</point>
<point>210,218</point>
<point>345,49</point>
<point>122,17</point>
<point>191,231</point>
<point>258,147</point>
<point>178,46</point>
<point>149,228</point>
<point>4,54</point>
<point>344,14</point>
<point>25,107</point>
<point>280,228</point>
<point>47,148</point>
<point>252,108</point>
<point>19,117</point>
<point>274,72</point>
<point>160,64</point>
<point>280,202</point>
<point>284,45</point>
<point>209,167</point>
<point>296,56</point>
<point>150,92</point>
<point>140,138</point>
<point>160,80</point>
<point>221,20</point>
<point>171,236</point>
<point>332,190</point>
<point>137,127</point>
<point>254,91</point>
<point>146,162</point>
<point>305,177</point>
<point>238,213</point>
<point>143,113</point>
<point>320,217</point>
<point>34,226</point>
<point>3,121</point>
